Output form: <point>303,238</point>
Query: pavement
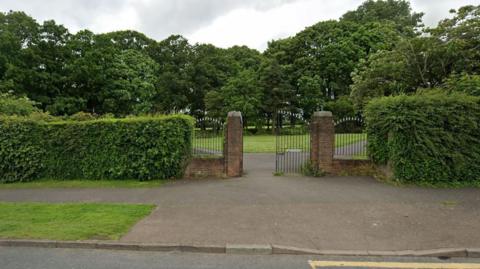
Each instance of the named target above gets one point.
<point>336,213</point>
<point>21,258</point>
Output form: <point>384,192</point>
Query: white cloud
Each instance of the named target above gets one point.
<point>439,9</point>
<point>125,18</point>
<point>221,22</point>
<point>255,28</point>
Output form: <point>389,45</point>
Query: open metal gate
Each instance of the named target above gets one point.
<point>208,137</point>
<point>350,138</point>
<point>292,137</point>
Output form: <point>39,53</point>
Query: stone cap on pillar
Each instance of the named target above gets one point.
<point>322,114</point>
<point>235,114</point>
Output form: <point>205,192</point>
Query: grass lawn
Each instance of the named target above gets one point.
<point>267,143</point>
<point>83,184</point>
<point>69,221</point>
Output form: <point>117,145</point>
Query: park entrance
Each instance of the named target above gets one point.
<point>292,142</point>
<point>316,145</point>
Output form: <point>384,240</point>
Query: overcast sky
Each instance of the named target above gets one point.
<point>221,22</point>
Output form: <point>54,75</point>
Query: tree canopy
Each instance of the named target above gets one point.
<point>444,54</point>
<point>380,48</point>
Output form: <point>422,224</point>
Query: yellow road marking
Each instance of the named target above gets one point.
<point>394,265</point>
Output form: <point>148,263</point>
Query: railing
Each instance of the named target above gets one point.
<point>292,142</point>
<point>208,138</point>
<point>350,139</point>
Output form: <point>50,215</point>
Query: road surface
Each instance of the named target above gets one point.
<point>40,258</point>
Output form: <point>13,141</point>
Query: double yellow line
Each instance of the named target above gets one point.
<point>393,265</point>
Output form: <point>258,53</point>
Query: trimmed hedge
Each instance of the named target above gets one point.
<point>426,138</point>
<point>141,148</point>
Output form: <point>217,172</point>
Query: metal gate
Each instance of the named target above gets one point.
<point>208,137</point>
<point>350,138</point>
<point>292,138</point>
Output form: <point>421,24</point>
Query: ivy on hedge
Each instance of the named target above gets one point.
<point>143,148</point>
<point>431,138</point>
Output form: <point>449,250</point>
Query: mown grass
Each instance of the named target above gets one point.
<point>47,183</point>
<point>267,143</point>
<point>69,221</point>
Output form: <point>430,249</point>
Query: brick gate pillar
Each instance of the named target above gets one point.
<point>234,145</point>
<point>322,140</point>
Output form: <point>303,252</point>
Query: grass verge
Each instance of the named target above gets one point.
<point>47,183</point>
<point>69,221</point>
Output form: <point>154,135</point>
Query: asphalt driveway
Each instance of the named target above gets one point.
<point>343,213</point>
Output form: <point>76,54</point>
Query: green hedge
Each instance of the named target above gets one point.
<point>427,138</point>
<point>141,148</point>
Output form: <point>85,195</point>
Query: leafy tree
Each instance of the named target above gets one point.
<point>328,52</point>
<point>311,97</point>
<point>241,93</point>
<point>245,57</point>
<point>210,70</point>
<point>86,69</point>
<point>126,40</point>
<point>281,50</point>
<point>469,84</point>
<point>383,73</point>
<point>174,57</point>
<point>372,51</point>
<point>17,33</point>
<point>39,70</point>
<point>397,11</point>
<point>130,87</point>
<point>12,105</point>
<point>341,108</point>
<point>276,91</point>
<point>415,62</point>
<point>460,34</point>
<point>422,62</point>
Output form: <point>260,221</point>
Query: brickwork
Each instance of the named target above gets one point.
<point>205,167</point>
<point>231,164</point>
<point>234,145</point>
<point>314,139</point>
<point>322,140</point>
<point>322,144</point>
<point>350,167</point>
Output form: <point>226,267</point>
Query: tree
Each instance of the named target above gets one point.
<point>383,73</point>
<point>126,40</point>
<point>210,70</point>
<point>397,11</point>
<point>341,108</point>
<point>241,93</point>
<point>276,91</point>
<point>174,58</point>
<point>422,62</point>
<point>40,73</point>
<point>466,83</point>
<point>415,62</point>
<point>130,87</point>
<point>460,34</point>
<point>12,105</point>
<point>325,55</point>
<point>311,97</point>
<point>17,33</point>
<point>245,57</point>
<point>86,69</point>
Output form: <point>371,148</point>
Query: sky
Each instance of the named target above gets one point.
<point>223,23</point>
